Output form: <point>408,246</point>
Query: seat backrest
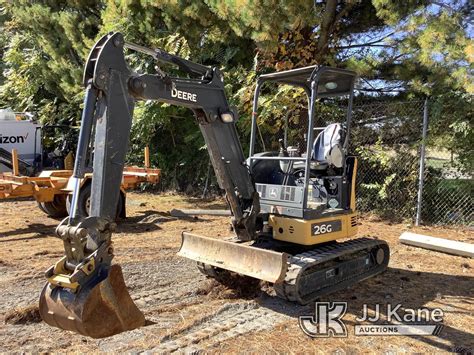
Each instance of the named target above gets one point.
<point>327,147</point>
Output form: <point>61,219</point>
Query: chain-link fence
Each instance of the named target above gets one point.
<point>448,193</point>
<point>387,137</point>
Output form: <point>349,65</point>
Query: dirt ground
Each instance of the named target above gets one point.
<point>187,313</point>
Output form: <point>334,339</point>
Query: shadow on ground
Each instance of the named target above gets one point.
<point>151,220</point>
<point>39,230</point>
<point>208,204</point>
<point>411,289</point>
<point>145,222</point>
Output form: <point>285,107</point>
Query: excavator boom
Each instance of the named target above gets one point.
<point>85,292</point>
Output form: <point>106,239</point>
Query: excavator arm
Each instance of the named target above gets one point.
<point>85,292</point>
<point>116,88</point>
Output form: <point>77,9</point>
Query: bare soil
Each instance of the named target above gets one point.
<point>186,312</point>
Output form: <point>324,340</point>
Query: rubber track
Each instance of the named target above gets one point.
<point>301,263</point>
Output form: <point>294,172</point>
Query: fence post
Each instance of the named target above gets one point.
<point>421,176</point>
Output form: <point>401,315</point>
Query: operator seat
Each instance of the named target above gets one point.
<point>327,148</point>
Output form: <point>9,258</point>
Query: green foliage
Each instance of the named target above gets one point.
<point>387,179</point>
<point>43,58</point>
<point>451,126</point>
<point>432,44</point>
<point>175,142</point>
<point>447,201</point>
<point>44,44</point>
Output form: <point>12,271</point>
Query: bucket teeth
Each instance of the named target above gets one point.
<point>99,309</point>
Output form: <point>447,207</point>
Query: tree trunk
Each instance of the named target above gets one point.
<point>329,16</point>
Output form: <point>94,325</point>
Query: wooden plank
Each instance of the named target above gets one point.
<point>438,244</point>
<point>187,213</point>
<point>147,157</point>
<point>16,169</point>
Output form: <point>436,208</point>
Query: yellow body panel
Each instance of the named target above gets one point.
<point>299,231</point>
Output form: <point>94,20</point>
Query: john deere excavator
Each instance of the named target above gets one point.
<point>288,207</point>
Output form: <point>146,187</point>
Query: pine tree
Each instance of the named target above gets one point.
<point>418,47</point>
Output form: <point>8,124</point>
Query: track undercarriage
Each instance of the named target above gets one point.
<point>322,269</point>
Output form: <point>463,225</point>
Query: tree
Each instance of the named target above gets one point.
<point>424,47</point>
<point>409,48</point>
<point>48,43</point>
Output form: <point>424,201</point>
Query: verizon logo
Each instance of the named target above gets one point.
<point>12,139</point>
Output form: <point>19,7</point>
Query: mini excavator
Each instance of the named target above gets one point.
<point>288,207</point>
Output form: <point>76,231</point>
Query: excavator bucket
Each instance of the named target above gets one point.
<point>98,310</point>
<point>263,264</point>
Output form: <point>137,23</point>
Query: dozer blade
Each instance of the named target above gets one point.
<point>97,310</point>
<point>259,263</point>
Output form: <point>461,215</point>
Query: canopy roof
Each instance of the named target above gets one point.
<point>330,81</point>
